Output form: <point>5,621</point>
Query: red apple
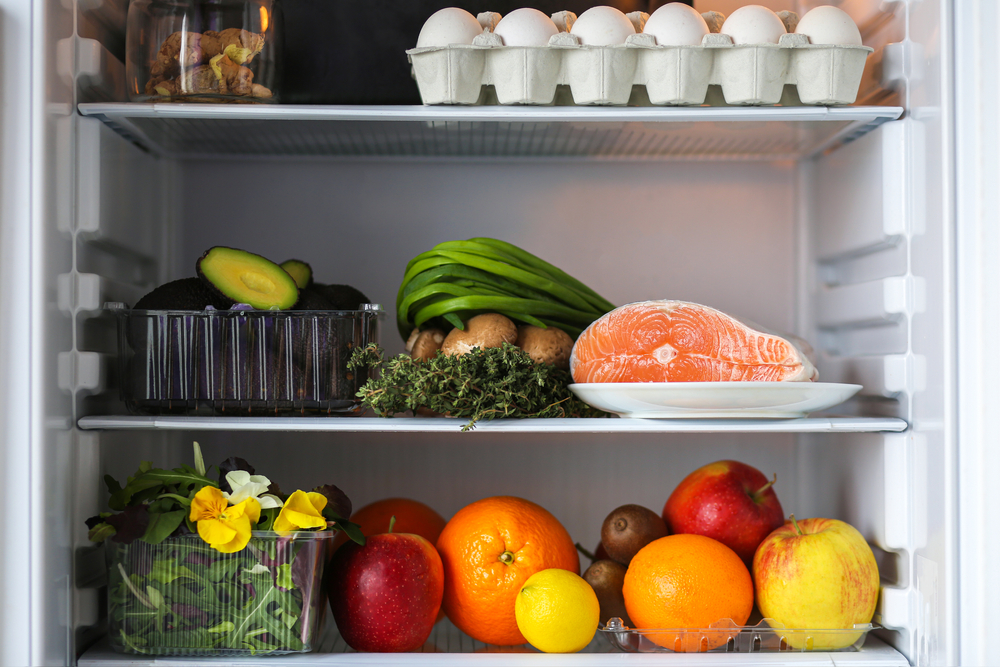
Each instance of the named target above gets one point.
<point>728,501</point>
<point>816,574</point>
<point>386,595</point>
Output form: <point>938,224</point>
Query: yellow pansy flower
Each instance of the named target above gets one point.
<point>301,511</point>
<point>226,529</point>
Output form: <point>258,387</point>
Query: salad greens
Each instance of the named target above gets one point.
<point>204,567</point>
<point>185,596</point>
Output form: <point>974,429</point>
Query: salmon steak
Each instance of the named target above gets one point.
<point>676,341</point>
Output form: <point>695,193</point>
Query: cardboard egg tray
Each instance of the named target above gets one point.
<point>754,74</point>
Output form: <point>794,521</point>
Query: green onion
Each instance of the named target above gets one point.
<point>457,280</point>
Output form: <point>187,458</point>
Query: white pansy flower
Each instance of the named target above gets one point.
<point>245,486</point>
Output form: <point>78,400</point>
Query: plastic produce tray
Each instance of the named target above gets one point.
<point>242,362</point>
<point>753,74</point>
<point>768,636</point>
<point>182,598</point>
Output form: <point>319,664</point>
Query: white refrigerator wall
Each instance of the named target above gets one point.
<point>718,233</point>
<point>742,237</point>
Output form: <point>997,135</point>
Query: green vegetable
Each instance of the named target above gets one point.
<point>193,600</point>
<point>457,280</point>
<point>300,272</point>
<point>171,592</point>
<point>247,278</point>
<point>483,384</point>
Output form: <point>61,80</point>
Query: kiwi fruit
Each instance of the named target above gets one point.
<point>628,529</point>
<point>607,578</point>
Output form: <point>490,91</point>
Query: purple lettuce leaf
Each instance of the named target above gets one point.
<point>337,502</point>
<point>129,525</point>
<point>191,613</point>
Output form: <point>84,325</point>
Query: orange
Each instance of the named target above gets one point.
<point>489,549</point>
<point>687,581</point>
<point>411,517</point>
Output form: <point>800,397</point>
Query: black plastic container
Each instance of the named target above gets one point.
<point>242,362</point>
<point>354,51</point>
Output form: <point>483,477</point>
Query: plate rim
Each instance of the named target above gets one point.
<point>713,385</point>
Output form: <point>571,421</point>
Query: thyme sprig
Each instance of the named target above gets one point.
<point>485,384</point>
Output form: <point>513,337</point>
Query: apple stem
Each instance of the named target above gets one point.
<point>758,494</point>
<point>796,524</point>
<point>392,522</point>
<point>579,547</point>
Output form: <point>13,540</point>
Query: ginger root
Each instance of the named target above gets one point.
<point>209,62</point>
<point>215,43</point>
<point>260,91</point>
<point>181,49</point>
<point>200,79</point>
<point>233,79</point>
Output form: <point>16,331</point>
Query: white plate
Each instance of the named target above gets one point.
<point>713,400</point>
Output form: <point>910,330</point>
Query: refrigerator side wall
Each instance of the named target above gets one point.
<point>15,335</point>
<point>977,205</point>
<point>38,364</point>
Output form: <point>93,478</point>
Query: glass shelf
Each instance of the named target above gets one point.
<point>447,645</point>
<point>201,131</point>
<point>443,425</point>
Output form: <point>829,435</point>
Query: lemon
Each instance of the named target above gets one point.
<point>557,611</point>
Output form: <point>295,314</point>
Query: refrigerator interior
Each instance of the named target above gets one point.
<point>847,243</point>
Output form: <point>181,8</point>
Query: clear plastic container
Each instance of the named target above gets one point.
<point>183,598</point>
<point>202,51</point>
<point>725,636</point>
<point>242,362</point>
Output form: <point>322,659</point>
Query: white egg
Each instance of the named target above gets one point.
<point>753,24</point>
<point>676,25</point>
<point>602,26</point>
<point>829,25</point>
<point>526,27</point>
<point>450,25</point>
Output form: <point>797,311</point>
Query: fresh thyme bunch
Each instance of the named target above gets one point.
<point>483,384</point>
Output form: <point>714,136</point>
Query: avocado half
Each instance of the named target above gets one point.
<point>248,278</point>
<point>300,272</point>
<point>184,294</point>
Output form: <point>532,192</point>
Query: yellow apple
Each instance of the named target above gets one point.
<point>816,574</point>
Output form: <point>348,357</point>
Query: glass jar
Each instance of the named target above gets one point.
<point>202,51</point>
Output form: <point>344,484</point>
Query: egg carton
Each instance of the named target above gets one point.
<point>748,74</point>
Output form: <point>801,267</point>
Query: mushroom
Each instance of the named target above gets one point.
<point>545,346</point>
<point>482,331</point>
<point>426,344</point>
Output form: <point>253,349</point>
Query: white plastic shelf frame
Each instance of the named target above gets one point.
<point>443,425</point>
<point>197,131</point>
<point>448,646</point>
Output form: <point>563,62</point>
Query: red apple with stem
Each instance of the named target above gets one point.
<point>728,501</point>
<point>386,594</point>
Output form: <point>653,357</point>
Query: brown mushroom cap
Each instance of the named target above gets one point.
<point>412,339</point>
<point>545,346</point>
<point>482,331</point>
<point>426,344</point>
